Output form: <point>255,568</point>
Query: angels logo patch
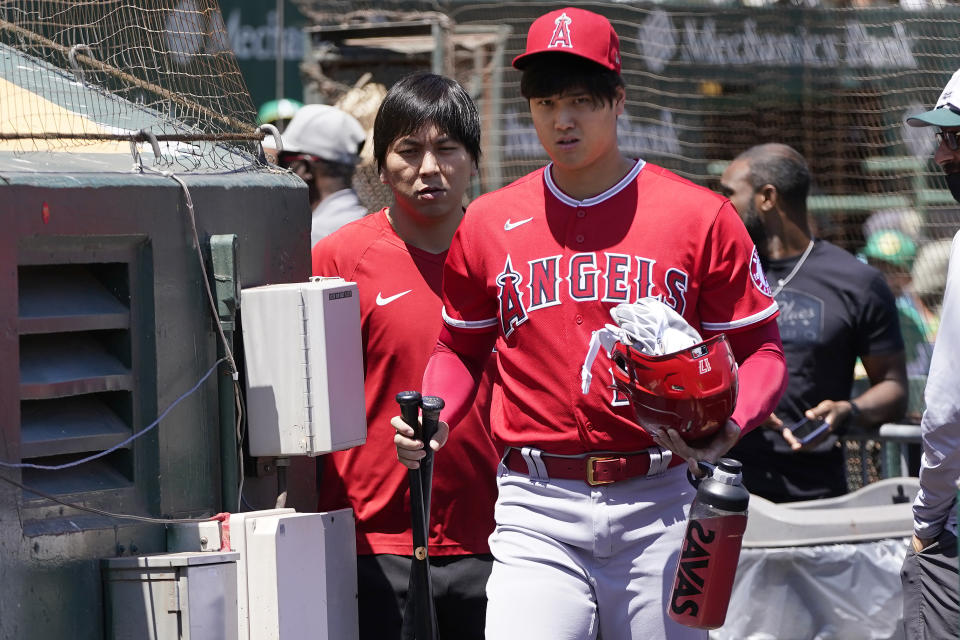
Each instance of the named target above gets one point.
<point>561,33</point>
<point>756,275</point>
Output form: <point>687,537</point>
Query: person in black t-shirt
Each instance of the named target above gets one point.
<point>833,308</point>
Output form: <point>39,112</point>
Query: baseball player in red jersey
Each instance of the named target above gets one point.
<point>427,143</point>
<point>592,506</point>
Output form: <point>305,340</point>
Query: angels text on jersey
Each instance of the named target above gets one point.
<point>603,276</point>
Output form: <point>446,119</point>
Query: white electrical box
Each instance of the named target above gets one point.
<point>300,575</point>
<point>238,542</point>
<point>304,365</point>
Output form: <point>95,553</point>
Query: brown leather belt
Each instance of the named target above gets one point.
<point>597,469</point>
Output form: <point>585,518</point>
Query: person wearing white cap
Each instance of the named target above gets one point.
<point>322,145</point>
<point>931,603</point>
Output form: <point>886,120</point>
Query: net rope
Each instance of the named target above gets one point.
<point>75,75</point>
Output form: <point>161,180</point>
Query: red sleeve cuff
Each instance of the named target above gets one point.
<point>762,375</point>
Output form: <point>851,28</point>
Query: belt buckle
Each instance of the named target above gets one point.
<point>593,482</point>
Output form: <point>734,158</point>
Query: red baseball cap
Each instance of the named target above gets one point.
<point>576,32</point>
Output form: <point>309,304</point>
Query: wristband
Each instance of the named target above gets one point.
<point>852,418</point>
<point>854,411</point>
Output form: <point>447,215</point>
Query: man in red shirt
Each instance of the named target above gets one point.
<point>534,269</point>
<point>426,143</point>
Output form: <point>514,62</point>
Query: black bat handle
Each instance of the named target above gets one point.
<point>409,402</point>
<point>432,406</point>
<point>419,612</point>
<point>425,609</point>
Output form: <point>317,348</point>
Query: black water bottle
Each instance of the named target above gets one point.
<point>711,547</point>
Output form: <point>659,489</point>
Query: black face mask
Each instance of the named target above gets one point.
<point>953,181</point>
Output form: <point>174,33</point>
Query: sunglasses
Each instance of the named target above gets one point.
<point>950,137</point>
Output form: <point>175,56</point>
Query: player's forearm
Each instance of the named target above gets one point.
<point>885,401</point>
<point>762,375</point>
<point>454,371</point>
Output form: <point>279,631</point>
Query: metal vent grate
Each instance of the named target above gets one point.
<point>76,378</point>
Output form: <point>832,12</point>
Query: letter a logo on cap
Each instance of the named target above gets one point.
<point>561,33</point>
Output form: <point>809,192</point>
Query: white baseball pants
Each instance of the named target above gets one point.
<point>572,561</point>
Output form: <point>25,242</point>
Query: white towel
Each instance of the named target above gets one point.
<point>649,326</point>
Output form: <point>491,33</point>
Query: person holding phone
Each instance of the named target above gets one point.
<point>833,309</point>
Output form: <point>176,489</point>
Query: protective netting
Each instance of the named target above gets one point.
<point>705,81</point>
<point>87,76</point>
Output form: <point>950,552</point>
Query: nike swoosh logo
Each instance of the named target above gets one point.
<point>513,225</point>
<point>382,301</point>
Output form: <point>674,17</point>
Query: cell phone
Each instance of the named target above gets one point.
<point>806,430</point>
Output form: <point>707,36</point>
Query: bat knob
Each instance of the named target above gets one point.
<point>407,398</point>
<point>409,402</point>
<point>432,404</point>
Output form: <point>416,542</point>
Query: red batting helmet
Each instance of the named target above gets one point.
<point>692,390</point>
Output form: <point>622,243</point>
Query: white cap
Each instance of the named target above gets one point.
<point>947,111</point>
<point>324,131</point>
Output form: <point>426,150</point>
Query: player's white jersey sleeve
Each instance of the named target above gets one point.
<point>940,465</point>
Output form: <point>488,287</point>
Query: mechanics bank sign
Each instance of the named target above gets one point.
<point>698,40</point>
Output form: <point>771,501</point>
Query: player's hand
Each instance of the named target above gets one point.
<point>710,450</point>
<point>410,450</point>
<point>919,544</point>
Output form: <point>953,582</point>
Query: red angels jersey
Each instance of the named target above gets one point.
<point>543,270</point>
<point>399,287</point>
